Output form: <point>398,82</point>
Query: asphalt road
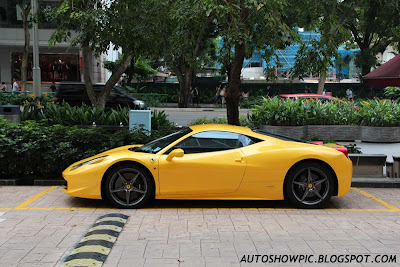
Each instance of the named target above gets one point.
<point>185,116</point>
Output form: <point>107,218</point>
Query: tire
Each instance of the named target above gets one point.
<point>309,185</point>
<point>129,182</point>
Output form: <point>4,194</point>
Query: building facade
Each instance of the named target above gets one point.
<point>58,63</point>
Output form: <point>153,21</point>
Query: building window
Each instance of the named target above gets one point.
<point>53,67</point>
<point>11,15</point>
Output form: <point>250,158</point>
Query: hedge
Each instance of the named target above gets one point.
<point>289,112</point>
<point>34,149</point>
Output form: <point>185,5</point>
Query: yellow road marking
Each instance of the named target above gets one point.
<point>23,206</point>
<point>94,248</point>
<point>384,203</point>
<point>99,237</point>
<point>261,209</point>
<point>106,227</point>
<point>83,262</point>
<point>34,198</point>
<point>115,219</point>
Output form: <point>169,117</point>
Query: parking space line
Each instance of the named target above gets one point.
<point>204,209</point>
<point>23,205</point>
<point>380,201</point>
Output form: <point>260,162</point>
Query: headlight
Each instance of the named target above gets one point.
<point>87,162</point>
<point>139,103</point>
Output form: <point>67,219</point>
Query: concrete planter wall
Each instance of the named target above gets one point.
<point>292,131</point>
<point>339,132</point>
<point>336,132</point>
<point>380,134</point>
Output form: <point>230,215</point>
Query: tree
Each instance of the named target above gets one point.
<point>374,25</point>
<point>318,55</point>
<point>141,69</point>
<point>248,26</point>
<point>186,32</point>
<point>25,7</point>
<point>94,24</point>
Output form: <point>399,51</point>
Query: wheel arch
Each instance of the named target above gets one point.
<point>125,162</point>
<point>335,192</point>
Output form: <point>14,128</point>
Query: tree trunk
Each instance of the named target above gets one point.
<point>25,56</point>
<point>116,75</point>
<point>99,100</point>
<point>321,83</point>
<point>86,76</point>
<point>365,66</point>
<point>233,92</point>
<point>185,75</point>
<point>130,76</point>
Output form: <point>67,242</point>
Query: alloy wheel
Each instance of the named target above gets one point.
<point>128,187</point>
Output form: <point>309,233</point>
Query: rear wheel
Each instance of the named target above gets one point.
<point>129,186</point>
<point>309,185</point>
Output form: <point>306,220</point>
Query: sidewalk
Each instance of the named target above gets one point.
<point>202,107</point>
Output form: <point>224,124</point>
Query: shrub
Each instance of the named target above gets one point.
<point>31,148</point>
<point>393,93</point>
<point>23,99</point>
<point>204,120</point>
<point>289,112</point>
<point>64,114</point>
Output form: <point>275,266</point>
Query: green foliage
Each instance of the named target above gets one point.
<point>31,148</point>
<point>204,120</point>
<point>251,101</point>
<point>64,114</point>
<point>317,56</point>
<point>353,149</point>
<point>287,112</point>
<point>141,70</point>
<point>393,92</point>
<point>25,99</point>
<point>379,113</point>
<point>374,25</point>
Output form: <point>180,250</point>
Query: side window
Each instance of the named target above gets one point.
<point>211,141</point>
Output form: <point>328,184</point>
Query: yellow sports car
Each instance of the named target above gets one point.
<point>213,162</point>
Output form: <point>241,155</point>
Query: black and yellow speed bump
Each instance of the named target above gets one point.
<point>95,246</point>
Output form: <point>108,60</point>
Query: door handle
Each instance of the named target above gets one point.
<point>239,160</point>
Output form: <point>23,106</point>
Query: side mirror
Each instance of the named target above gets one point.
<point>175,153</point>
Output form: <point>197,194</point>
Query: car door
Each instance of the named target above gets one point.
<point>212,164</point>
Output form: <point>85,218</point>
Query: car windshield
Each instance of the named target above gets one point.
<point>154,146</point>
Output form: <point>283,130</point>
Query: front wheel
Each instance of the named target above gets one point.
<point>309,185</point>
<point>128,186</point>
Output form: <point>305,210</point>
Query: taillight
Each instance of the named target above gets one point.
<point>318,142</point>
<point>343,150</point>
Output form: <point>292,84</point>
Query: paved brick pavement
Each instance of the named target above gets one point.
<point>198,233</point>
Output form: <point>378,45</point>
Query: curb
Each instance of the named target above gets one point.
<point>382,182</point>
<point>203,109</point>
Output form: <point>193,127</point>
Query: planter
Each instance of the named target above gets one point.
<point>380,134</point>
<point>368,165</point>
<point>335,132</point>
<point>291,131</point>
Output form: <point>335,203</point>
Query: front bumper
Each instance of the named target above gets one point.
<point>84,184</point>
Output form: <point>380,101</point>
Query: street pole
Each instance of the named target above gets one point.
<point>37,82</point>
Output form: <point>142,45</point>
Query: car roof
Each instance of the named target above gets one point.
<point>77,83</point>
<point>311,95</point>
<point>222,127</point>
<point>304,95</point>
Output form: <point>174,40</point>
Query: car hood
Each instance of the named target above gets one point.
<point>118,149</point>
